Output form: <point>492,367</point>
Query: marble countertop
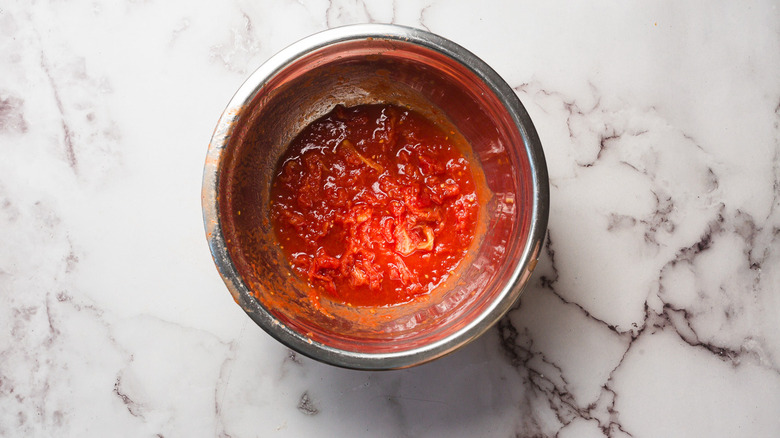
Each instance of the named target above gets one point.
<point>654,311</point>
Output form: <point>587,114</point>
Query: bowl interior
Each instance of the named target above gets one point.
<point>375,70</point>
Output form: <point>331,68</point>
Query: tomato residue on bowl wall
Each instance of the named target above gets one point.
<point>374,205</point>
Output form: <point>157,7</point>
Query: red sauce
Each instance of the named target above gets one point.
<point>374,205</point>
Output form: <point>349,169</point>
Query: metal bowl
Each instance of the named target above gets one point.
<point>370,64</point>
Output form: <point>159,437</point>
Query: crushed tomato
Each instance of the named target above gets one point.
<point>374,205</point>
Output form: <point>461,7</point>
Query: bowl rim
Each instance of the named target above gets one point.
<point>386,360</point>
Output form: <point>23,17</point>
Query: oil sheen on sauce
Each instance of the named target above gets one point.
<point>374,205</point>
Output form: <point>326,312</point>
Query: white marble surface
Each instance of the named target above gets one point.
<point>655,310</point>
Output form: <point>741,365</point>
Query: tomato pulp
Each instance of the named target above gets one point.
<point>374,205</point>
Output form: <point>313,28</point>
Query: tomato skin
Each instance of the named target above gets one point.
<point>374,205</point>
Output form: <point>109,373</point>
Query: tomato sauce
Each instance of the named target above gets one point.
<point>374,205</point>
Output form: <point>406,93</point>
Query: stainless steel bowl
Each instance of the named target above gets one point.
<point>368,64</point>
